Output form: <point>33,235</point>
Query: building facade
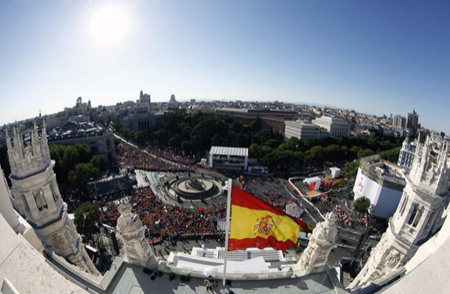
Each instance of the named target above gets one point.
<point>406,155</point>
<point>37,198</point>
<point>337,127</point>
<point>144,99</point>
<point>412,123</point>
<point>301,130</point>
<point>273,123</point>
<point>137,117</point>
<point>382,183</point>
<point>99,139</point>
<point>399,124</point>
<point>247,115</point>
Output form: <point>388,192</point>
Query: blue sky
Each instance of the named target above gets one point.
<point>377,57</point>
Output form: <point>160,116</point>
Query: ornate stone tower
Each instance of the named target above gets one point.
<point>38,199</point>
<point>417,216</point>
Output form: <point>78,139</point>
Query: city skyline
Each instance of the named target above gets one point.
<point>373,57</point>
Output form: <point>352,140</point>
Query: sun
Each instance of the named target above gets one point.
<point>109,24</point>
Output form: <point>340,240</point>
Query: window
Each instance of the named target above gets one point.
<point>413,213</point>
<point>418,216</point>
<point>40,199</point>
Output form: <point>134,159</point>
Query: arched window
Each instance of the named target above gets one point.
<point>40,199</point>
<point>413,213</point>
<point>418,216</point>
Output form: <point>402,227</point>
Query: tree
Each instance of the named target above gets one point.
<point>272,143</point>
<point>365,153</point>
<point>315,155</point>
<point>362,204</point>
<point>98,161</point>
<point>87,219</point>
<point>67,157</point>
<point>391,154</point>
<point>82,174</point>
<point>351,169</point>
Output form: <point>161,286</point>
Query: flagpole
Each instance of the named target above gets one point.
<point>227,230</point>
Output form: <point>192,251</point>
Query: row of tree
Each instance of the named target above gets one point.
<point>195,134</point>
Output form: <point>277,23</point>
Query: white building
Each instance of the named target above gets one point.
<point>99,139</point>
<point>138,118</point>
<point>382,183</point>
<point>228,158</point>
<point>337,127</point>
<point>406,155</point>
<point>301,130</point>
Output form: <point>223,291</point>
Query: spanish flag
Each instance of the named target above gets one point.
<point>256,223</point>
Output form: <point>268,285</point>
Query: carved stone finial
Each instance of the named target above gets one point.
<point>320,243</point>
<point>132,233</point>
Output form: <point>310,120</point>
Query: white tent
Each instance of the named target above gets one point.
<point>313,183</point>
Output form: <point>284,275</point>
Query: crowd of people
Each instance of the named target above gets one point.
<point>130,156</point>
<point>168,220</point>
<point>172,155</point>
<point>347,217</point>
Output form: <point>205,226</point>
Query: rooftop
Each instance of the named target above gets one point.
<point>383,172</point>
<point>233,151</point>
<point>132,279</point>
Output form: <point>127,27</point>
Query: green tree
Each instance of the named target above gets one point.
<point>351,169</point>
<point>272,143</point>
<point>391,154</point>
<point>255,150</point>
<point>365,152</point>
<point>315,155</point>
<point>99,161</point>
<point>87,219</point>
<point>82,174</point>
<point>362,204</point>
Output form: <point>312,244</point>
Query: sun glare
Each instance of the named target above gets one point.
<point>109,25</point>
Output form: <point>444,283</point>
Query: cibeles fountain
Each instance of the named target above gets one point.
<point>195,188</point>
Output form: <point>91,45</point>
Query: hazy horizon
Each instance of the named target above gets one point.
<point>375,57</point>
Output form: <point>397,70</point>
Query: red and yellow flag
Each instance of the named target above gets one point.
<point>256,223</point>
